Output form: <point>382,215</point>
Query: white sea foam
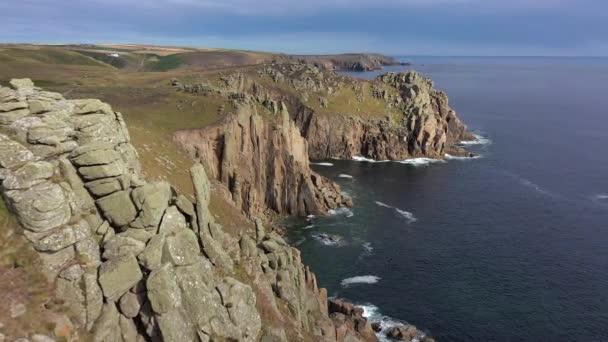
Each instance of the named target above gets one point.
<point>403,213</point>
<point>323,164</point>
<point>601,197</point>
<point>363,159</point>
<point>343,175</point>
<point>407,215</point>
<point>479,140</point>
<point>367,247</point>
<point>366,279</point>
<point>383,204</point>
<point>373,315</point>
<point>451,157</point>
<point>341,211</point>
<point>310,226</point>
<point>329,239</point>
<point>420,161</point>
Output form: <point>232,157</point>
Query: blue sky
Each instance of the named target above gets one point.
<point>413,27</point>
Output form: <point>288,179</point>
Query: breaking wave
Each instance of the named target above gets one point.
<point>403,213</point>
<point>451,157</point>
<point>373,315</point>
<point>341,211</point>
<point>479,140</point>
<point>366,279</point>
<point>310,226</point>
<point>329,240</point>
<point>363,159</point>
<point>343,175</point>
<point>420,161</point>
<point>323,164</point>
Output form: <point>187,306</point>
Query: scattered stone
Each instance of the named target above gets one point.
<point>181,248</point>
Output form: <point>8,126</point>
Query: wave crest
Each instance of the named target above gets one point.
<point>365,279</point>
<point>403,213</point>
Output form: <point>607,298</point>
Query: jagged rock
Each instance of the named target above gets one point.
<point>21,83</point>
<point>202,191</point>
<point>106,328</point>
<point>113,169</point>
<point>130,304</point>
<point>258,174</point>
<point>185,206</point>
<point>163,292</point>
<point>96,157</point>
<point>151,200</point>
<point>181,248</point>
<point>63,237</point>
<point>71,293</point>
<point>128,330</point>
<point>103,187</point>
<point>91,106</point>
<point>42,207</point>
<point>13,154</point>
<point>151,257</point>
<point>28,175</point>
<point>402,332</point>
<point>93,297</point>
<point>120,245</point>
<point>172,220</point>
<point>118,208</point>
<point>239,300</point>
<point>10,106</point>
<point>117,276</point>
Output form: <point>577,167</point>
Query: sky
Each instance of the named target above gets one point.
<point>395,27</point>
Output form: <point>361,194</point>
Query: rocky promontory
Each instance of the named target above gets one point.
<point>347,61</point>
<point>133,260</point>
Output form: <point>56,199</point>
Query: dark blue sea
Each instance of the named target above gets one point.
<point>511,246</point>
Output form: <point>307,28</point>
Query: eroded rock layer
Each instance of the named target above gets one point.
<point>134,260</point>
<point>263,162</point>
<point>426,126</point>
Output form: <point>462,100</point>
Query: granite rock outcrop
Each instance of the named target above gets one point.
<point>134,260</point>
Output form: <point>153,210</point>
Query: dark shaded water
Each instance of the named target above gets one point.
<point>512,246</point>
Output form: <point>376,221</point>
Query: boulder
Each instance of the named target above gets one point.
<point>163,292</point>
<point>120,245</point>
<point>151,256</point>
<point>13,154</point>
<point>117,276</point>
<point>181,248</point>
<point>402,332</point>
<point>172,221</point>
<point>96,157</point>
<point>118,208</point>
<point>21,83</point>
<point>28,175</point>
<point>130,304</point>
<point>104,186</point>
<point>42,207</point>
<point>112,169</point>
<point>151,200</point>
<point>63,237</point>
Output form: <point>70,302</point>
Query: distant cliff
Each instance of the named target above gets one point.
<point>346,62</point>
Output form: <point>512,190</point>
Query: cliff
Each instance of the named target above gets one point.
<point>347,61</point>
<point>134,260</point>
<point>264,163</point>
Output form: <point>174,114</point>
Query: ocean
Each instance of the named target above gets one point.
<point>510,246</point>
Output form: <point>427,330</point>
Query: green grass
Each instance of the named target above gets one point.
<point>117,62</point>
<point>164,63</point>
<point>45,55</point>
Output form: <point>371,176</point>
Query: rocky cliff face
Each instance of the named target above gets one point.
<point>427,126</point>
<point>134,260</point>
<point>352,62</point>
<point>263,162</point>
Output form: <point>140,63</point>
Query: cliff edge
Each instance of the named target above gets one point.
<point>134,260</point>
